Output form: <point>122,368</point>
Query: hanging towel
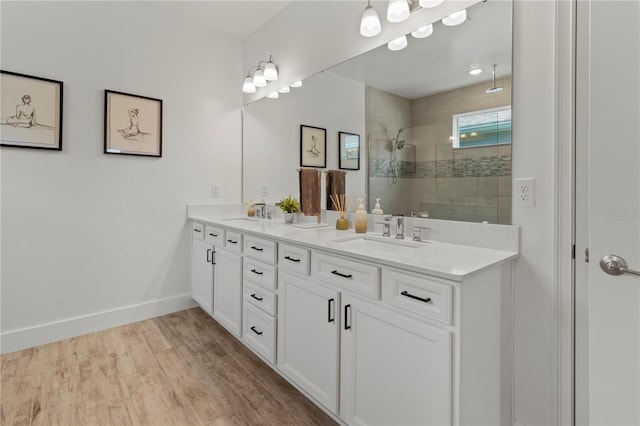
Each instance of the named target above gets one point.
<point>310,192</point>
<point>335,186</point>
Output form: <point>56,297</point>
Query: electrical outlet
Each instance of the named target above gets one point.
<point>524,192</point>
<point>265,191</point>
<point>216,190</point>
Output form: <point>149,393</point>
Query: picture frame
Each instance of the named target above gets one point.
<point>313,146</point>
<point>348,151</point>
<point>132,124</point>
<point>30,111</point>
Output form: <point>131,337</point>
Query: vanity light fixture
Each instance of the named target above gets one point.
<point>428,4</point>
<point>475,71</point>
<point>398,10</point>
<point>273,95</point>
<point>285,89</point>
<point>423,32</point>
<point>264,72</point>
<point>370,23</point>
<point>456,18</point>
<point>398,44</point>
<point>296,84</point>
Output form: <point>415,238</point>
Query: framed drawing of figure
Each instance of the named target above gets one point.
<point>313,144</point>
<point>30,111</point>
<point>132,124</point>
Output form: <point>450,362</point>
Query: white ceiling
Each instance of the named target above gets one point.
<point>238,18</point>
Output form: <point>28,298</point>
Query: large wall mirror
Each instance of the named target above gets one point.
<point>435,139</point>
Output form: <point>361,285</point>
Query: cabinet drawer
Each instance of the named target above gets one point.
<point>260,273</point>
<point>214,235</point>
<point>293,258</point>
<point>197,230</point>
<point>260,332</point>
<point>258,296</point>
<point>424,296</point>
<point>259,248</point>
<point>354,276</point>
<point>233,241</point>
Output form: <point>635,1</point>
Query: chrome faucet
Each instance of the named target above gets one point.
<point>399,226</point>
<point>417,232</point>
<point>260,209</point>
<point>386,225</point>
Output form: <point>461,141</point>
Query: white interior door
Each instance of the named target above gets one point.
<point>608,119</point>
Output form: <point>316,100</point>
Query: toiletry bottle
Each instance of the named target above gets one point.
<point>377,209</point>
<point>251,211</point>
<point>361,218</point>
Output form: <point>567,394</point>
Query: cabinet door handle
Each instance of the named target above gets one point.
<point>347,318</point>
<point>253,328</point>
<point>197,230</point>
<point>208,255</point>
<point>422,299</point>
<point>257,272</point>
<point>342,275</point>
<point>232,241</point>
<point>292,259</point>
<point>330,315</point>
<point>259,299</point>
<point>257,248</point>
<point>213,235</point>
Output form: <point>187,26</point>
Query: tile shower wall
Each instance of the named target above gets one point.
<point>471,184</point>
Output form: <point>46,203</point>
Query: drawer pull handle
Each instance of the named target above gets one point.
<point>213,235</point>
<point>330,315</point>
<point>253,328</point>
<point>422,299</point>
<point>257,248</point>
<point>292,259</point>
<point>208,255</point>
<point>347,319</point>
<point>259,299</point>
<point>232,241</point>
<point>342,275</point>
<point>197,230</point>
<point>257,272</point>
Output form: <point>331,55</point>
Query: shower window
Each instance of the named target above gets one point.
<point>482,128</point>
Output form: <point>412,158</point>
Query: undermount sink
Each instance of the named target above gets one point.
<point>368,242</point>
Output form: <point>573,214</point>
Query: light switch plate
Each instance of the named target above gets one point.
<point>216,190</point>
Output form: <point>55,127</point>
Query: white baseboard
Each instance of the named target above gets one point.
<point>29,337</point>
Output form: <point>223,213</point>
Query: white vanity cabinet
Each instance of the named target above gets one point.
<point>202,260</point>
<point>308,327</point>
<point>394,370</point>
<point>227,297</point>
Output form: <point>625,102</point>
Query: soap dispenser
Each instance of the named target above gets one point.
<point>251,211</point>
<point>361,218</point>
<point>377,209</point>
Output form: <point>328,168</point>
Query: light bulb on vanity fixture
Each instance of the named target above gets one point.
<point>258,78</point>
<point>270,70</point>
<point>273,95</point>
<point>428,4</point>
<point>398,10</point>
<point>370,23</point>
<point>264,72</point>
<point>456,18</point>
<point>285,89</point>
<point>248,86</point>
<point>423,32</point>
<point>296,84</point>
<point>397,44</point>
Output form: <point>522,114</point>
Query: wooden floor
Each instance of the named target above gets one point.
<point>179,369</point>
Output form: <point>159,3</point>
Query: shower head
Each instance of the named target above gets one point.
<point>494,89</point>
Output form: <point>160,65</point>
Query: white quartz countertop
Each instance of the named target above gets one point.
<point>444,260</point>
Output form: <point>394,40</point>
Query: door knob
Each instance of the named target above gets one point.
<point>615,265</point>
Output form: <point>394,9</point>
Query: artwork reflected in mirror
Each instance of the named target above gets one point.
<point>349,146</point>
<point>313,146</point>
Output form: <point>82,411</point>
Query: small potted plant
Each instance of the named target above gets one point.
<point>289,206</point>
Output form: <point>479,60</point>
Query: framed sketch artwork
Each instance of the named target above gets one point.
<point>349,151</point>
<point>30,111</point>
<point>313,146</point>
<point>132,124</point>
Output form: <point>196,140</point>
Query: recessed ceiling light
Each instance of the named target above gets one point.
<point>475,71</point>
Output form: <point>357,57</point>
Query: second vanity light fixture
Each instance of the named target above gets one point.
<point>264,72</point>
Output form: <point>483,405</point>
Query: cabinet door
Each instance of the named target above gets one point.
<point>202,274</point>
<point>394,369</point>
<point>308,318</point>
<point>227,300</point>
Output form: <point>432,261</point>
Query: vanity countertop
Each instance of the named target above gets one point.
<point>444,260</point>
